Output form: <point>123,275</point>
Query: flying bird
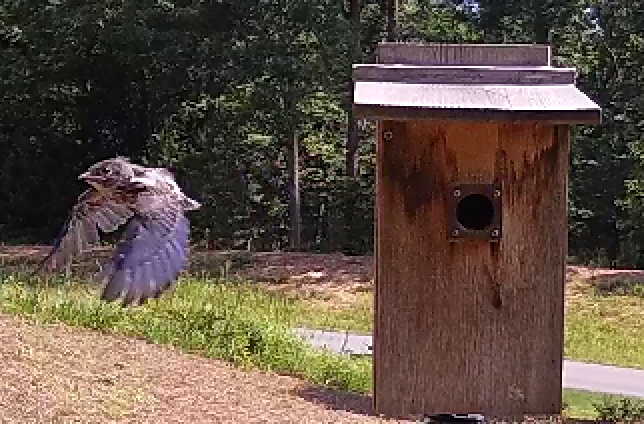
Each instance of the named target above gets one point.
<point>151,207</point>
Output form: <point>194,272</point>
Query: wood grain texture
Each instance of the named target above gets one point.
<point>473,326</point>
<point>554,103</point>
<point>464,54</point>
<point>464,74</point>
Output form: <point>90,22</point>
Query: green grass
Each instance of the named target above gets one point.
<point>587,405</point>
<point>595,340</point>
<point>606,328</point>
<point>237,323</point>
<point>250,327</point>
<point>599,328</point>
<point>357,319</point>
<point>592,334</point>
<point>582,404</point>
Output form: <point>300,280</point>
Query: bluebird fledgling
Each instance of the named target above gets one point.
<point>156,243</point>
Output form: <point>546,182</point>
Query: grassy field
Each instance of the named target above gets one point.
<point>599,329</point>
<point>236,322</point>
<point>249,325</point>
<point>603,325</point>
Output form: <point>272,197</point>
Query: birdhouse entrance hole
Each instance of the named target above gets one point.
<point>475,211</point>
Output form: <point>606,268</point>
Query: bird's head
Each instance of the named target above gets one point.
<point>108,173</point>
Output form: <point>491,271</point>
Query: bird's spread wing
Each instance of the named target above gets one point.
<point>154,252</point>
<point>93,211</point>
<point>160,212</point>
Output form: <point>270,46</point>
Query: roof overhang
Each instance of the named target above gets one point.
<point>472,91</point>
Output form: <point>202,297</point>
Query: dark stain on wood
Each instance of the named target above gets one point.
<point>493,276</point>
<point>418,179</point>
<point>471,326</point>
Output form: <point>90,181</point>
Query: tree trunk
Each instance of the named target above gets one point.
<point>144,127</point>
<point>294,189</point>
<point>390,13</point>
<point>613,244</point>
<point>351,154</point>
<point>353,140</point>
<point>351,158</point>
<point>541,27</point>
<point>491,15</point>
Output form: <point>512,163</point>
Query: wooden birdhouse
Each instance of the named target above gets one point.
<point>471,231</point>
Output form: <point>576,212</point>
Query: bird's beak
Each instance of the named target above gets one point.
<point>87,177</point>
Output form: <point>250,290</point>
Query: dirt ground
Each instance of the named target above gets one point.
<point>56,374</point>
<point>342,280</point>
<point>337,277</point>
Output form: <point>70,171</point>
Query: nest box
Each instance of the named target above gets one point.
<point>471,231</point>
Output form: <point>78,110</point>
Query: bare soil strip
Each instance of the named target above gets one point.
<point>57,374</point>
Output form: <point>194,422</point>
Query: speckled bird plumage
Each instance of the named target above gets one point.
<point>151,206</point>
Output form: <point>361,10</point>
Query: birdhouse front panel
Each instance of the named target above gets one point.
<point>470,266</point>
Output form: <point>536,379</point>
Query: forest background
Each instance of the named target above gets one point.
<point>248,102</point>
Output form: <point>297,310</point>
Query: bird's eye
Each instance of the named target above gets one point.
<point>106,171</point>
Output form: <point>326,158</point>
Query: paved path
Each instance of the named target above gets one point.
<point>576,375</point>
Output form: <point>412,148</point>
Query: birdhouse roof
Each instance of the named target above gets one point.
<point>511,82</point>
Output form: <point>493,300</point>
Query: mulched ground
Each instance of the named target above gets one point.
<point>57,374</point>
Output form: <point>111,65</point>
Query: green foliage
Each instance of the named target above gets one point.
<point>216,90</point>
<point>619,409</point>
<point>437,21</point>
<point>586,405</point>
<point>86,81</point>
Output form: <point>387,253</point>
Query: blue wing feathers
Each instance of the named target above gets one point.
<point>146,263</point>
